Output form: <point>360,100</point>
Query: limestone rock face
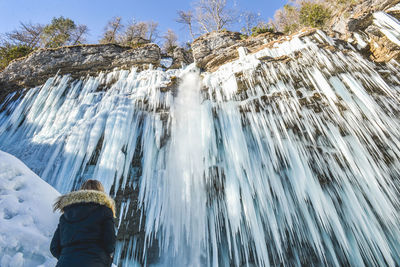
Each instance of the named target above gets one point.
<point>357,17</point>
<point>181,57</point>
<point>207,46</point>
<point>139,41</point>
<point>356,24</point>
<point>78,61</point>
<point>216,48</point>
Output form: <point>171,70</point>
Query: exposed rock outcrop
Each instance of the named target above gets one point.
<point>356,23</point>
<point>139,41</point>
<point>357,17</point>
<point>216,48</point>
<point>208,46</point>
<point>181,57</point>
<point>78,61</point>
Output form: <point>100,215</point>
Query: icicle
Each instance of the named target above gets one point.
<point>291,161</point>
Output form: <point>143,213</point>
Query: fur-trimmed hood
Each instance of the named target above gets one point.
<point>84,196</point>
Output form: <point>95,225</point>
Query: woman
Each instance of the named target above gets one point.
<point>85,235</point>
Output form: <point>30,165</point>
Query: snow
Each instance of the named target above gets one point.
<point>27,221</point>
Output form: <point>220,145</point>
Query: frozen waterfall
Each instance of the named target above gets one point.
<point>285,157</point>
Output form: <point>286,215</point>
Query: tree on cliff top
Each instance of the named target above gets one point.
<point>79,35</point>
<point>207,16</point>
<point>62,31</point>
<point>250,20</point>
<point>28,37</point>
<point>152,31</point>
<point>300,13</point>
<point>10,52</point>
<point>187,18</point>
<point>214,15</point>
<point>170,41</point>
<point>314,14</point>
<point>28,34</point>
<point>144,29</point>
<point>112,30</point>
<point>287,19</point>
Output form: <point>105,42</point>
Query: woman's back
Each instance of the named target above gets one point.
<point>85,235</point>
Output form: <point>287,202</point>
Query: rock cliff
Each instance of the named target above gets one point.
<point>367,25</point>
<point>78,61</point>
<point>360,24</point>
<point>216,48</point>
<point>181,57</point>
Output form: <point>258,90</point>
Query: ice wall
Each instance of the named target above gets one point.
<point>289,156</point>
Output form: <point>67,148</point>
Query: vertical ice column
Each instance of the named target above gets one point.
<point>181,206</point>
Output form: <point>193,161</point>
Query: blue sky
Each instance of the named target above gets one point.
<point>96,13</point>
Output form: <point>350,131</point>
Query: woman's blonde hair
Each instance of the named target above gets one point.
<point>92,185</point>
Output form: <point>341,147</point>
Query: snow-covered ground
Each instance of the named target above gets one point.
<point>27,221</point>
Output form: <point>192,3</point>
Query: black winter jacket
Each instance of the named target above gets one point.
<point>85,235</point>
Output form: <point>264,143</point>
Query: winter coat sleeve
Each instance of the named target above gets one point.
<point>55,247</point>
<point>109,237</point>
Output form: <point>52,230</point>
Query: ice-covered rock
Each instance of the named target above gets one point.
<point>79,60</point>
<point>214,49</point>
<point>27,221</point>
<point>368,25</point>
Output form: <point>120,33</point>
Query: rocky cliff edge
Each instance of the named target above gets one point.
<point>360,24</point>
<point>78,61</point>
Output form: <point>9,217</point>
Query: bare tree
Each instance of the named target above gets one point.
<point>153,34</point>
<point>111,31</point>
<point>287,19</point>
<point>133,30</point>
<point>214,15</point>
<point>170,41</point>
<point>61,31</point>
<point>28,34</point>
<point>78,36</point>
<point>187,18</point>
<point>144,29</point>
<point>249,21</point>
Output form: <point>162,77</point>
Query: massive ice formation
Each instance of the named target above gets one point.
<point>285,156</point>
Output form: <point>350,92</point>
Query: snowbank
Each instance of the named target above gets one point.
<point>27,222</point>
